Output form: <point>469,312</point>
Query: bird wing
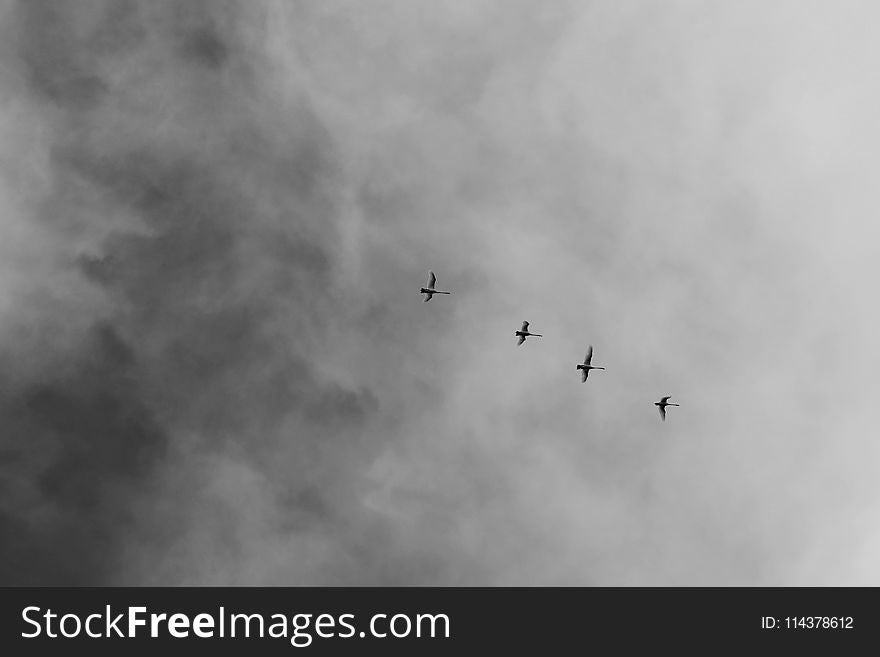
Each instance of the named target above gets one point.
<point>432,280</point>
<point>662,413</point>
<point>525,327</point>
<point>522,339</point>
<point>428,296</point>
<point>589,355</point>
<point>665,399</point>
<point>584,375</point>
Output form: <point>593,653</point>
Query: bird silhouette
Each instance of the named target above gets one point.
<point>662,404</point>
<point>430,291</point>
<point>523,333</point>
<point>585,367</point>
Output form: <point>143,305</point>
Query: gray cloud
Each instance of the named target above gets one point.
<point>216,368</point>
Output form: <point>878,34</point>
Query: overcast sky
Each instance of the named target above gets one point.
<point>215,365</point>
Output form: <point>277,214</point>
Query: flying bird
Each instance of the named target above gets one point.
<point>430,291</point>
<point>662,404</point>
<point>585,367</point>
<point>523,333</point>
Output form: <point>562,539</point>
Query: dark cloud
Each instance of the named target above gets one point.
<point>55,56</point>
<point>198,275</point>
<point>205,47</point>
<point>84,444</point>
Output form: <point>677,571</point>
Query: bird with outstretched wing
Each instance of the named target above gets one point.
<point>586,366</point>
<point>662,404</point>
<point>524,332</point>
<point>430,291</point>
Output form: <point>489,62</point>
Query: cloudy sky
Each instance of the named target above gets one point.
<point>215,366</point>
